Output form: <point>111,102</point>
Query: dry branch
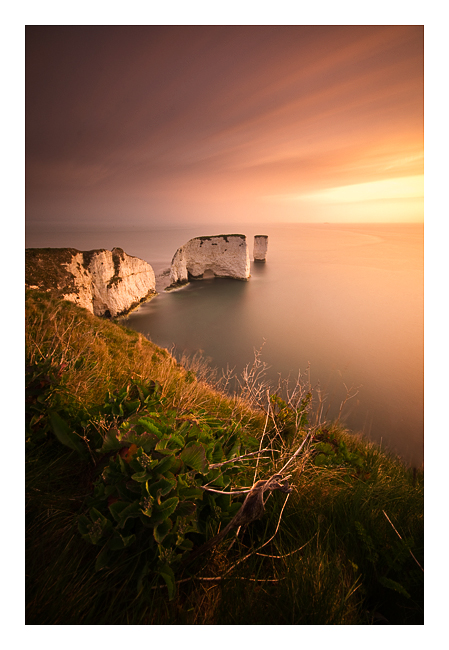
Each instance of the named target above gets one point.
<point>252,508</point>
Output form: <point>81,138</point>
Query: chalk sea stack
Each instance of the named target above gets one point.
<point>223,256</point>
<point>260,248</point>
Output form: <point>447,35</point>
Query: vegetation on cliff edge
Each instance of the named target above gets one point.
<point>135,463</point>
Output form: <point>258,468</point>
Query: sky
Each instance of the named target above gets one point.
<point>146,126</point>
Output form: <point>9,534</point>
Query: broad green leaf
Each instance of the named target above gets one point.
<point>118,542</point>
<point>171,442</point>
<point>176,441</point>
<point>165,465</point>
<point>152,415</point>
<point>131,511</point>
<point>117,508</point>
<point>123,393</point>
<point>145,440</point>
<point>125,493</point>
<point>164,510</point>
<point>117,409</point>
<point>392,584</point>
<point>110,442</point>
<point>124,466</point>
<point>216,478</point>
<point>64,434</point>
<point>127,541</point>
<point>150,426</point>
<point>83,524</point>
<point>142,391</point>
<point>186,545</point>
<point>161,531</point>
<point>183,428</point>
<point>96,515</point>
<point>235,449</point>
<point>36,418</point>
<point>176,466</point>
<point>186,508</point>
<point>141,477</point>
<point>132,405</point>
<point>233,509</point>
<point>162,444</point>
<point>168,506</point>
<point>194,456</point>
<point>223,501</point>
<point>163,486</point>
<point>169,577</point>
<point>191,492</point>
<point>217,453</point>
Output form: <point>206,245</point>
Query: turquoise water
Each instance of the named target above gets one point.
<point>346,300</point>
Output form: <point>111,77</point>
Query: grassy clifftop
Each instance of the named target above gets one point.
<point>136,462</point>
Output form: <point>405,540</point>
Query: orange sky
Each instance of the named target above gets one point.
<point>155,125</point>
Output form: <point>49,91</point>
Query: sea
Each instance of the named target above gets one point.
<point>339,305</point>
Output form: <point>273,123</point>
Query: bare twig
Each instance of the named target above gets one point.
<point>217,579</point>
<point>263,435</point>
<point>254,383</point>
<point>271,538</point>
<point>409,550</point>
<point>281,557</point>
<point>256,551</point>
<point>296,452</point>
<point>234,460</point>
<point>350,393</point>
<point>232,492</point>
<point>252,508</point>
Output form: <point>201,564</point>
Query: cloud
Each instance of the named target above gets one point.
<point>173,113</point>
<point>409,187</point>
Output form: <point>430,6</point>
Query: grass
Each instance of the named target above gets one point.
<point>325,554</point>
<point>93,356</point>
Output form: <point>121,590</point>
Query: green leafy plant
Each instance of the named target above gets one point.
<point>41,382</point>
<point>330,452</point>
<point>48,407</point>
<point>151,490</point>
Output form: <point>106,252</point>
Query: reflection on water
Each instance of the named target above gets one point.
<point>346,299</point>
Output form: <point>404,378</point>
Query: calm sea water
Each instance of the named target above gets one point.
<point>346,300</point>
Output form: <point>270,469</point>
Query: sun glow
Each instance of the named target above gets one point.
<point>408,187</point>
<point>393,199</point>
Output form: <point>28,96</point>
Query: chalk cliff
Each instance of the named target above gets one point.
<point>225,256</point>
<point>107,283</point>
<point>260,248</point>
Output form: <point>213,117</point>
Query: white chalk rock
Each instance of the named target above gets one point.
<point>104,282</point>
<point>260,248</point>
<point>226,256</point>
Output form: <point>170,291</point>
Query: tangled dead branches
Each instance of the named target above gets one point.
<point>252,508</point>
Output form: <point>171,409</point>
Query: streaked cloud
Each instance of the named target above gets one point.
<point>163,118</point>
<point>409,187</point>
